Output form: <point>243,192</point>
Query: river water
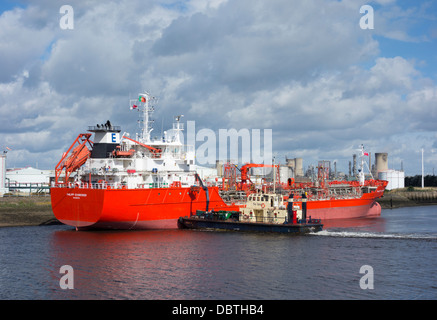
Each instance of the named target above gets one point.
<point>390,257</point>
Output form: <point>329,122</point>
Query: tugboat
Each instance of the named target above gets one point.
<point>262,213</point>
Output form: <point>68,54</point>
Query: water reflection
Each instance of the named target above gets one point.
<point>109,262</point>
<point>166,264</point>
<point>172,264</point>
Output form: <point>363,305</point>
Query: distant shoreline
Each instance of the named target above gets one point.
<point>20,211</point>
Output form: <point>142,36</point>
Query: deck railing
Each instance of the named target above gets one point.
<point>104,185</point>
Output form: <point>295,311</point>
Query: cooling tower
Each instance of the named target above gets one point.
<point>299,167</point>
<point>381,161</point>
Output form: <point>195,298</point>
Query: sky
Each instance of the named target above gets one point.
<point>308,70</point>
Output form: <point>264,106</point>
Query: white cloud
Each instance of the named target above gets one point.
<point>22,41</point>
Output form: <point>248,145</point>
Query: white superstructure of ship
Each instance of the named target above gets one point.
<point>119,160</point>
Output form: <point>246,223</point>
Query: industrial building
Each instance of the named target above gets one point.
<point>28,180</point>
<point>29,175</point>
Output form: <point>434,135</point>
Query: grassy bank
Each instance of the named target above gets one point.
<point>25,211</point>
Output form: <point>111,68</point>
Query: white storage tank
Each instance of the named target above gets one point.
<point>396,179</point>
<point>284,173</point>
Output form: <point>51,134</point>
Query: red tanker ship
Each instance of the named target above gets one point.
<point>118,182</point>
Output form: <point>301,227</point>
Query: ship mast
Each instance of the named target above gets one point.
<point>361,175</point>
<point>144,104</point>
<point>178,127</point>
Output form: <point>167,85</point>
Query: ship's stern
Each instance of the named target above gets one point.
<point>77,207</point>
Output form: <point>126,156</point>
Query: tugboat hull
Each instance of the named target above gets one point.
<point>199,223</point>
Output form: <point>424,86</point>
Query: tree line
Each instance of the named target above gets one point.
<point>416,181</point>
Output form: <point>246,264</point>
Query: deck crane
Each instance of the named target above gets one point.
<point>245,172</point>
<point>75,157</point>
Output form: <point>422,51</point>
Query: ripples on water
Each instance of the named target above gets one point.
<point>183,264</point>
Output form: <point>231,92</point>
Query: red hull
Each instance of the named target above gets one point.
<point>343,209</point>
<point>157,208</point>
<point>363,207</point>
<point>160,208</point>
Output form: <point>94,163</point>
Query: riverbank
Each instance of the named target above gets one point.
<point>26,211</point>
<point>408,197</point>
